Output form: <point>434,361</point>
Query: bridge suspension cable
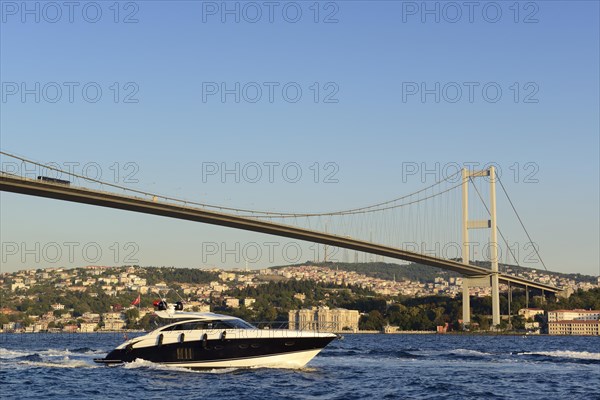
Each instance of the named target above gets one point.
<point>258,213</point>
<point>499,231</point>
<point>125,188</point>
<point>357,210</point>
<point>522,224</point>
<point>367,209</point>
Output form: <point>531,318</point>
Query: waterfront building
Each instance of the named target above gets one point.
<point>323,318</point>
<point>113,321</point>
<point>577,314</point>
<point>70,328</point>
<point>11,326</point>
<point>575,327</point>
<point>87,327</point>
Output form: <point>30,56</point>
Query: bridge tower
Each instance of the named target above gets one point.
<point>492,279</point>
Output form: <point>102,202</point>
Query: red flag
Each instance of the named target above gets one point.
<point>136,301</point>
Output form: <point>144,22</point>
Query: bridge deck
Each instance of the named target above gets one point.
<point>16,184</point>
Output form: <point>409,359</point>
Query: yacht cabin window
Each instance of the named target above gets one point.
<point>208,325</point>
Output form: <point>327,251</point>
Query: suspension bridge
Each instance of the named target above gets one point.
<point>393,227</point>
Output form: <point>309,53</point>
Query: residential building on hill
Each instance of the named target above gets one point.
<point>528,313</point>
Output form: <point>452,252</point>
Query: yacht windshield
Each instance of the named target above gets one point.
<point>208,325</point>
<point>240,324</point>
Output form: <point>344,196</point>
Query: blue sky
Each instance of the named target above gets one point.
<point>364,119</point>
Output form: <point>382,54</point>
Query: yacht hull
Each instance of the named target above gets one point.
<point>286,352</point>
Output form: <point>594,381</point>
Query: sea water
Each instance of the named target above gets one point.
<point>60,366</point>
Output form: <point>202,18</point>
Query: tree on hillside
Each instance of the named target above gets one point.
<point>374,321</point>
<point>132,315</point>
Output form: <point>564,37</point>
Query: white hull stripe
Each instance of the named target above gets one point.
<point>285,360</point>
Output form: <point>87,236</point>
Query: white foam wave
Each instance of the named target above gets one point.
<point>585,355</point>
<point>67,352</point>
<point>467,352</point>
<point>54,353</point>
<point>7,354</point>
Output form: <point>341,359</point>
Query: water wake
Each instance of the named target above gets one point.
<point>581,355</point>
<point>49,358</point>
<point>64,363</point>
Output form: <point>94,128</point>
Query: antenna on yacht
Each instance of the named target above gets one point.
<point>163,305</point>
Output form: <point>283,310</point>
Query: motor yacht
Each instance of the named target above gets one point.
<point>209,340</point>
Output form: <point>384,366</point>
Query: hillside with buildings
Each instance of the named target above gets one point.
<point>103,298</point>
<point>427,274</point>
<point>419,280</point>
